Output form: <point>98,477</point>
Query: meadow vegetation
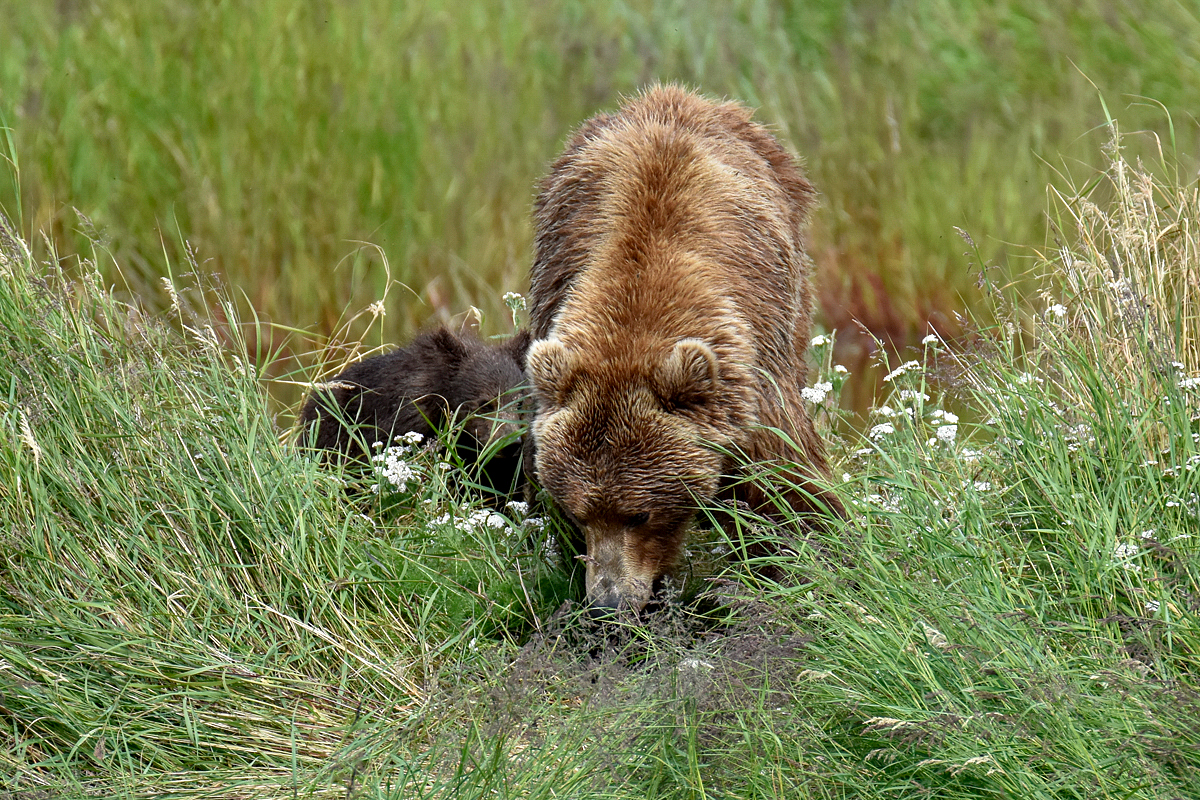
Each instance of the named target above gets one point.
<point>202,197</point>
<point>312,154</point>
<point>190,607</point>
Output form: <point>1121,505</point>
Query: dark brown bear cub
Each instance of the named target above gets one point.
<point>439,380</point>
<point>671,310</point>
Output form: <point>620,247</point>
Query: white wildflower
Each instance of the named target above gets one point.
<point>816,394</point>
<point>1190,383</point>
<point>377,309</point>
<point>519,507</point>
<point>1123,553</point>
<point>930,339</point>
<point>840,370</point>
<point>881,430</point>
<point>884,411</point>
<point>1058,310</point>
<point>390,466</point>
<point>913,395</point>
<point>514,301</point>
<point>900,370</point>
<point>820,340</point>
<point>947,433</point>
<point>982,486</point>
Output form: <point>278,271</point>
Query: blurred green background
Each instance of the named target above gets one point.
<point>311,153</point>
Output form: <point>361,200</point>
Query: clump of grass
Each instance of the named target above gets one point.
<point>1029,567</point>
<point>181,594</point>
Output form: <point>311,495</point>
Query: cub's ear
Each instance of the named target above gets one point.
<point>687,378</point>
<point>518,346</point>
<point>551,370</point>
<point>450,346</point>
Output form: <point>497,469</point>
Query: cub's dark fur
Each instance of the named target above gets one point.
<point>438,382</point>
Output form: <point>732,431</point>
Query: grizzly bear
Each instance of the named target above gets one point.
<point>671,309</point>
<point>435,384</point>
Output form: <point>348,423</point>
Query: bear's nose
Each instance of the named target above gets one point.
<point>604,604</point>
<point>612,606</point>
<point>601,613</point>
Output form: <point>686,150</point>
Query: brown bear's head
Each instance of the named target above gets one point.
<point>624,446</point>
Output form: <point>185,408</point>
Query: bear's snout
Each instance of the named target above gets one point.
<point>616,578</point>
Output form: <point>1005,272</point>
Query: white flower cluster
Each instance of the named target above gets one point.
<point>1122,555</point>
<point>521,509</point>
<point>476,520</point>
<point>947,427</point>
<point>484,519</point>
<point>816,394</point>
<point>900,370</point>
<point>514,301</point>
<point>390,464</point>
<point>1188,466</point>
<point>881,430</point>
<point>820,340</point>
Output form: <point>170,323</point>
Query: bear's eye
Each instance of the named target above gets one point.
<point>637,520</point>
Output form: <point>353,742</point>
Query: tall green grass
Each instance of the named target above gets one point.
<point>184,600</point>
<point>190,608</point>
<point>277,137</point>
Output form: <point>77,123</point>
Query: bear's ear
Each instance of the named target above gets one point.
<point>550,366</point>
<point>687,378</point>
<point>518,346</point>
<point>452,348</point>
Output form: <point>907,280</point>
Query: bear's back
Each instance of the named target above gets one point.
<point>675,182</point>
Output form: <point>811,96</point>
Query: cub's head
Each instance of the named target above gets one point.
<point>486,391</point>
<point>625,450</point>
<point>486,388</point>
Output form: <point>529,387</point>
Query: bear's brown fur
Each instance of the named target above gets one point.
<point>671,310</point>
